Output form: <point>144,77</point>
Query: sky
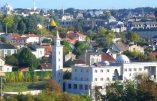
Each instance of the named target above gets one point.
<point>81,4</point>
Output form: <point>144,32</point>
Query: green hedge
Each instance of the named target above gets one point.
<point>27,76</point>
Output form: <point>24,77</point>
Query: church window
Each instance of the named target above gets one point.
<point>59,52</point>
<point>95,71</point>
<point>107,78</point>
<point>81,70</point>
<point>108,70</point>
<point>87,70</point>
<point>101,70</point>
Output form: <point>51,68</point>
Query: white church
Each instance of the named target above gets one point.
<point>86,77</point>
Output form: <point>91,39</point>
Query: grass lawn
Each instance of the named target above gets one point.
<point>23,86</point>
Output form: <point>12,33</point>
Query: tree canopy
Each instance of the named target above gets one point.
<point>27,59</point>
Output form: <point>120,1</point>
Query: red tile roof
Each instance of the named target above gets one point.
<point>107,57</point>
<point>72,34</point>
<point>70,40</point>
<point>48,50</point>
<point>153,54</point>
<point>14,35</point>
<point>31,35</point>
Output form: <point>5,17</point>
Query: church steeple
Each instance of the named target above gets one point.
<point>57,39</point>
<point>57,61</point>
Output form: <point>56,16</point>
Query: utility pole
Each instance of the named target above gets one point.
<point>34,5</point>
<point>2,74</point>
<point>6,28</point>
<point>1,87</point>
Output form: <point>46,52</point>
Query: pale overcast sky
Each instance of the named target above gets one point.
<point>81,4</point>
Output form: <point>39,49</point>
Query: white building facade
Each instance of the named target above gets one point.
<point>86,78</point>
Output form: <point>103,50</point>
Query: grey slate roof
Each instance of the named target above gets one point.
<point>6,46</point>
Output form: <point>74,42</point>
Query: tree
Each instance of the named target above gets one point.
<point>127,92</point>
<point>67,48</point>
<point>21,27</point>
<point>31,23</point>
<point>104,37</point>
<point>133,36</point>
<point>8,21</point>
<point>12,60</point>
<point>80,47</point>
<point>53,86</point>
<point>27,59</point>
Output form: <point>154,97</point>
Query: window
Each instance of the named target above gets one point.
<point>102,71</point>
<point>59,52</point>
<point>125,70</point>
<point>81,79</point>
<point>101,79</point>
<point>95,71</point>
<point>130,74</point>
<point>135,69</point>
<point>86,87</point>
<point>107,78</point>
<point>59,59</point>
<point>108,70</point>
<point>129,69</point>
<point>40,52</point>
<point>75,70</point>
<point>75,86</point>
<point>140,69</point>
<point>75,78</point>
<point>80,86</point>
<point>87,79</point>
<point>87,70</point>
<point>95,79</point>
<point>69,86</point>
<point>81,70</point>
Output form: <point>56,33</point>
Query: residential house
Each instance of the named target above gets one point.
<point>76,36</point>
<point>91,57</point>
<point>119,47</point>
<point>136,48</point>
<point>4,67</point>
<point>105,57</point>
<point>31,38</point>
<point>37,50</point>
<point>7,50</point>
<point>69,57</point>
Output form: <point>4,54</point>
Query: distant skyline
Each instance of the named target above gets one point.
<point>80,4</point>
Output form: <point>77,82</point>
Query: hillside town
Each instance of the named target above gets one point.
<point>78,55</point>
